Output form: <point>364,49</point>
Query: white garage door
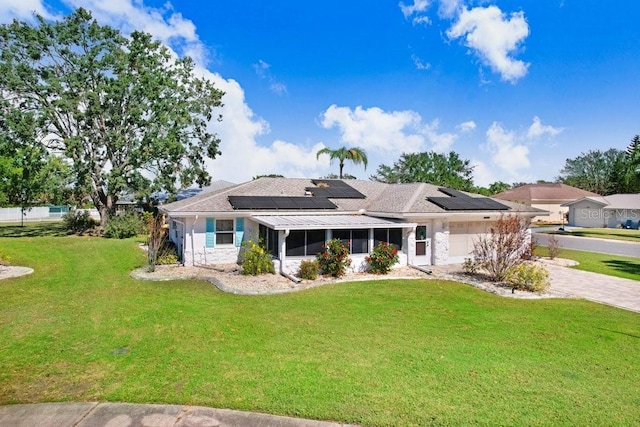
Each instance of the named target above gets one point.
<point>462,237</point>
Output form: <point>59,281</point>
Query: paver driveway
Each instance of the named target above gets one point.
<point>615,291</point>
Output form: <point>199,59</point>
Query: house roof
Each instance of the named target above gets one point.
<point>551,191</point>
<point>612,201</point>
<point>381,199</point>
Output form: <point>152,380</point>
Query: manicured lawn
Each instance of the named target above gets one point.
<point>387,353</point>
<point>612,265</point>
<point>603,233</point>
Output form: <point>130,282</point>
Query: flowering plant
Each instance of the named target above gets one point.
<point>382,258</point>
<point>334,260</point>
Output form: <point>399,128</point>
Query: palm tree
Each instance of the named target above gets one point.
<point>355,154</point>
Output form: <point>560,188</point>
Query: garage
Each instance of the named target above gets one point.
<point>462,236</point>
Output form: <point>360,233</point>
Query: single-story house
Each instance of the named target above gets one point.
<point>294,217</point>
<point>605,211</point>
<point>549,197</point>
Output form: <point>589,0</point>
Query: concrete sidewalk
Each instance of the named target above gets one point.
<point>93,414</point>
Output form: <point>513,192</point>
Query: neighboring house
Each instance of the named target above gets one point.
<point>295,217</point>
<point>605,211</point>
<point>550,197</point>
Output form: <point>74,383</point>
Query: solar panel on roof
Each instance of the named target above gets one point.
<point>334,189</point>
<point>459,201</point>
<point>275,203</point>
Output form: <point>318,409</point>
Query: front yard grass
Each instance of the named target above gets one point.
<point>611,265</point>
<point>382,353</point>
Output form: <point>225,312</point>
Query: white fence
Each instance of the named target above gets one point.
<point>38,213</point>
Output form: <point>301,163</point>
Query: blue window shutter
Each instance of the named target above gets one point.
<point>239,231</point>
<point>210,239</point>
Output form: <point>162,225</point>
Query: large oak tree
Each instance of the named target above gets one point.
<point>128,114</point>
<point>447,170</point>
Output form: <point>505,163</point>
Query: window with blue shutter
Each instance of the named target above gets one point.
<point>239,231</point>
<point>210,236</point>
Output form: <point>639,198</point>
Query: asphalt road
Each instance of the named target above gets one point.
<point>589,244</point>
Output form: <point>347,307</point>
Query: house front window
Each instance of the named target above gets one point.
<point>224,232</point>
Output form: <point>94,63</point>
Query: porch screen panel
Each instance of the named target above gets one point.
<point>296,243</point>
<point>315,241</point>
<point>360,241</point>
<point>395,237</point>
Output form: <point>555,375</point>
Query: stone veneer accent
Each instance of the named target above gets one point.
<point>440,250</point>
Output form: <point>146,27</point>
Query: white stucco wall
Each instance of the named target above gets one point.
<point>440,247</point>
<point>195,252</point>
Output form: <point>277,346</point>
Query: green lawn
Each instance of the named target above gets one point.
<point>612,265</point>
<point>603,233</point>
<point>385,353</point>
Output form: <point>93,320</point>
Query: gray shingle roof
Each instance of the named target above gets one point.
<point>396,199</point>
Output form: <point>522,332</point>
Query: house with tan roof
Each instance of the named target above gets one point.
<point>549,197</point>
<point>294,217</point>
<point>615,210</point>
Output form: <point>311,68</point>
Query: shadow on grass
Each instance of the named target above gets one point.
<point>624,266</point>
<point>39,229</point>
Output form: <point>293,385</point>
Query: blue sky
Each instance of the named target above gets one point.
<point>516,87</point>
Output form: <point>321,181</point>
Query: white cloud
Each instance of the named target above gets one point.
<point>449,8</point>
<point>537,129</point>
<point>483,175</point>
<point>262,70</point>
<point>419,64</point>
<point>417,10</point>
<point>506,153</point>
<point>466,127</point>
<point>440,142</point>
<point>375,129</point>
<point>22,10</point>
<point>494,38</point>
<point>166,25</point>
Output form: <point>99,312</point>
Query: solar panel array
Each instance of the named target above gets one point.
<point>458,201</point>
<point>334,189</point>
<point>276,203</point>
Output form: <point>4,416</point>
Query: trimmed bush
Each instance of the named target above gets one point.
<point>308,270</point>
<point>256,259</point>
<point>123,226</point>
<point>528,277</point>
<point>382,258</point>
<point>78,221</point>
<point>469,266</point>
<point>334,260</point>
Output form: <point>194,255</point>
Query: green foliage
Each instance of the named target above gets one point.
<point>382,258</point>
<point>167,254</point>
<point>256,259</point>
<point>78,221</point>
<point>135,108</point>
<point>123,226</point>
<point>529,277</point>
<point>447,170</point>
<point>308,269</point>
<point>354,154</point>
<point>596,171</point>
<point>334,260</point>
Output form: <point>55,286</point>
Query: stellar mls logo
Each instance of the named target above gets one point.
<point>617,214</point>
